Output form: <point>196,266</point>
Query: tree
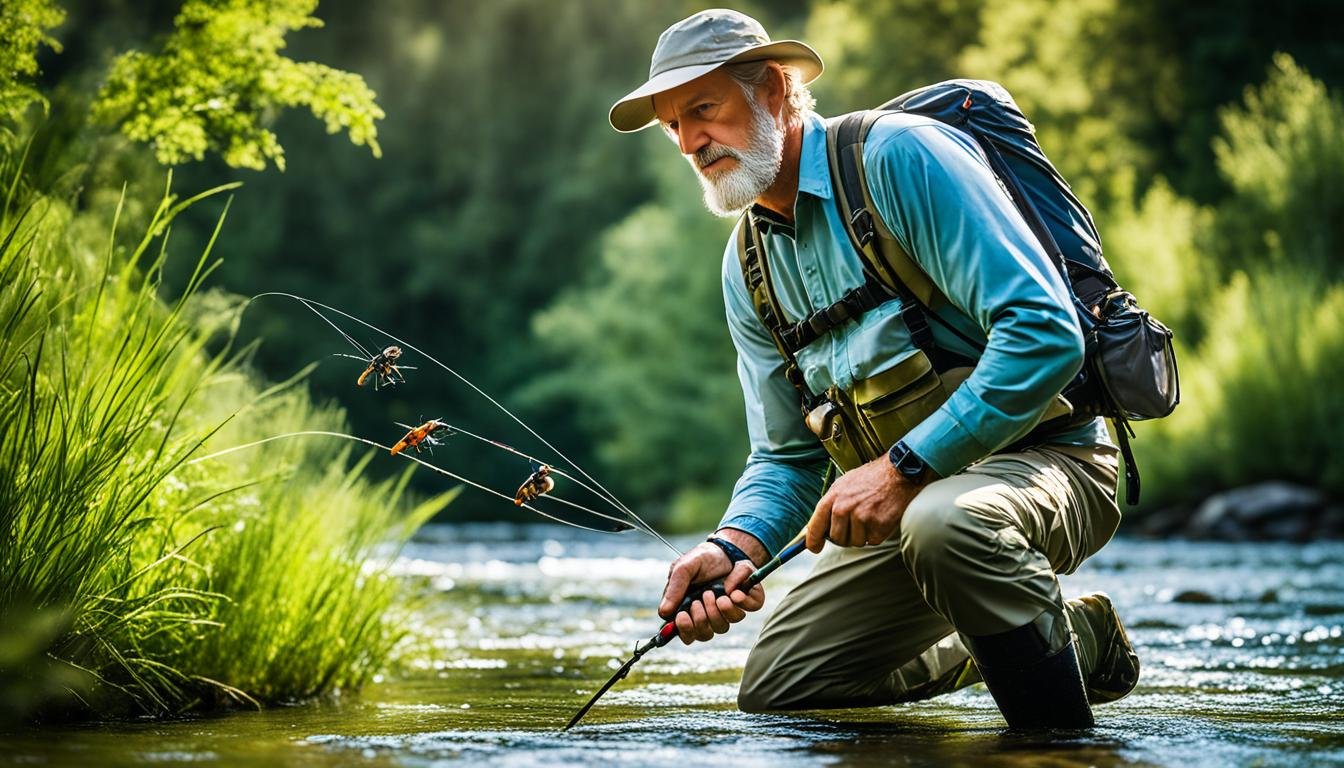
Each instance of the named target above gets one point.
<point>24,28</point>
<point>644,355</point>
<point>221,78</point>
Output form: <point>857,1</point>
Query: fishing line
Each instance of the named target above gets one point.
<point>312,306</point>
<point>606,494</point>
<point>366,353</point>
<point>422,462</point>
<point>516,452</point>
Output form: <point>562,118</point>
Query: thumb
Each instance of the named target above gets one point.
<point>678,580</point>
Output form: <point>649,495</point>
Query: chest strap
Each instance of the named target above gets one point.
<point>756,274</point>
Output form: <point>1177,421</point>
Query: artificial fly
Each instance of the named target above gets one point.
<point>422,435</point>
<point>383,364</point>
<point>539,483</point>
<point>385,370</point>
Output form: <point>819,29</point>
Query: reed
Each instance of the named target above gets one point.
<point>131,581</point>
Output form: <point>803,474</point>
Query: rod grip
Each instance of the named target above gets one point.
<point>693,595</point>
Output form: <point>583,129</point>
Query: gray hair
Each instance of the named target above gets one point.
<point>751,75</point>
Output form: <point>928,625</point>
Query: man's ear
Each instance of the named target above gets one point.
<point>776,84</point>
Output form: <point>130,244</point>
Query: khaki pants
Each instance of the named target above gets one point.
<point>976,553</point>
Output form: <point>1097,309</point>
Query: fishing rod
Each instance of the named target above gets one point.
<point>616,525</point>
<point>669,629</point>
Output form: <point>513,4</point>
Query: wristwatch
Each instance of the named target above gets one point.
<point>908,463</point>
<point>734,552</point>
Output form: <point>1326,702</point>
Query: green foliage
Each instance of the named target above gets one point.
<point>144,581</point>
<point>875,51</point>
<point>1283,157</point>
<point>1092,75</point>
<point>1258,393</point>
<point>499,178</point>
<point>647,360</point>
<point>220,79</point>
<point>1154,247</point>
<point>24,26</point>
<point>1260,380</point>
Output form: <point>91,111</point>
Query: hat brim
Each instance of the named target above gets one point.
<point>634,112</point>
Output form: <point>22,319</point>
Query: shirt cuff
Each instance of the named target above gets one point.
<point>944,444</point>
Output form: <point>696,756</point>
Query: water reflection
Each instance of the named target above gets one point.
<point>1242,647</point>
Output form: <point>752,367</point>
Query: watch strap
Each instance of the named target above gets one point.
<point>734,552</point>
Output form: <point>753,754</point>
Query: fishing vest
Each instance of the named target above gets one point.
<point>1129,370</point>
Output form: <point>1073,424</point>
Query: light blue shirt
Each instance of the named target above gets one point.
<point>935,191</point>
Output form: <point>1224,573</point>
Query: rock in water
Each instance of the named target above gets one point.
<point>1273,510</point>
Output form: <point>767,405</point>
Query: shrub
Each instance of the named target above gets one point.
<point>138,580</point>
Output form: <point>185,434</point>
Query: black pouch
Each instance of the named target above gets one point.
<point>1134,361</point>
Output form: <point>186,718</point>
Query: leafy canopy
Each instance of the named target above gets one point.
<point>221,78</point>
<point>23,28</point>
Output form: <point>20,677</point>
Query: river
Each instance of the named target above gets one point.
<point>1242,647</point>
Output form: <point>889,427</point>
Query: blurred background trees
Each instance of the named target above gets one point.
<point>572,272</point>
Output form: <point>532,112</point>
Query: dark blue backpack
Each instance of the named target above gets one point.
<point>1129,372</point>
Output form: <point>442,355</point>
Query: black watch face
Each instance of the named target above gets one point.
<point>909,464</point>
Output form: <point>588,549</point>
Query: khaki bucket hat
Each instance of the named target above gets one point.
<point>698,45</point>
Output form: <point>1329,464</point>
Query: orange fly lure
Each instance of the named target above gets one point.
<point>422,435</point>
<point>538,484</point>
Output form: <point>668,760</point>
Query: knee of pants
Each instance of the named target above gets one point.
<point>755,693</point>
<point>939,533</point>
<point>753,700</point>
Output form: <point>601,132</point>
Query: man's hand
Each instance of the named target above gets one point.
<point>706,563</point>
<point>863,507</point>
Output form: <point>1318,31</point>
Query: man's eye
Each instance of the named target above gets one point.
<point>702,109</point>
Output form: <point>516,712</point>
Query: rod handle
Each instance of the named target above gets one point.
<point>693,595</point>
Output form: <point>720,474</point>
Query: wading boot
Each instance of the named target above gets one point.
<point>1103,648</point>
<point>1033,674</point>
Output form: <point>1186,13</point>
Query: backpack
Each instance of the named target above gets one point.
<point>1129,370</point>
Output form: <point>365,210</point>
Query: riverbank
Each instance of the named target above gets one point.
<point>521,624</point>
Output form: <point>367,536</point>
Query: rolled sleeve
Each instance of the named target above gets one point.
<point>935,191</point>
<point>782,481</point>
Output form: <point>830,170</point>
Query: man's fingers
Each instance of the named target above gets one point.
<point>858,532</point>
<point>881,533</point>
<point>840,526</point>
<point>716,620</point>
<point>685,628</point>
<point>702,629</point>
<point>729,610</point>
<point>742,570</point>
<point>820,524</point>
<point>749,601</point>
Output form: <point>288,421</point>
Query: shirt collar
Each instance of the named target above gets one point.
<point>814,173</point>
<point>814,169</point>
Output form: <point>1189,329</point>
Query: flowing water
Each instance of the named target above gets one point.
<point>1242,649</point>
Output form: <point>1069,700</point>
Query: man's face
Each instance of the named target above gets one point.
<point>734,144</point>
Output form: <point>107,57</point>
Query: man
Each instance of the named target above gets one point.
<point>941,569</point>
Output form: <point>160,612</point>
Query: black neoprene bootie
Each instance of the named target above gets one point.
<point>1033,674</point>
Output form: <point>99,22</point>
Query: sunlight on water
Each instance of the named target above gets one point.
<point>1242,649</point>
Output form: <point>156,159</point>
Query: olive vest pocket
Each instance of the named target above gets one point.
<point>858,425</point>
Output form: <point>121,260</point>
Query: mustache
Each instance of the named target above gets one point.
<point>714,152</point>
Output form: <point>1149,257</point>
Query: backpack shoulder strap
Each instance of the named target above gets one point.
<point>879,250</point>
<point>756,273</point>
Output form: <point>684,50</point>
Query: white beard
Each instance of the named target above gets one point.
<point>728,193</point>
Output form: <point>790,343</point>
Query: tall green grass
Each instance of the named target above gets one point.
<point>133,580</point>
